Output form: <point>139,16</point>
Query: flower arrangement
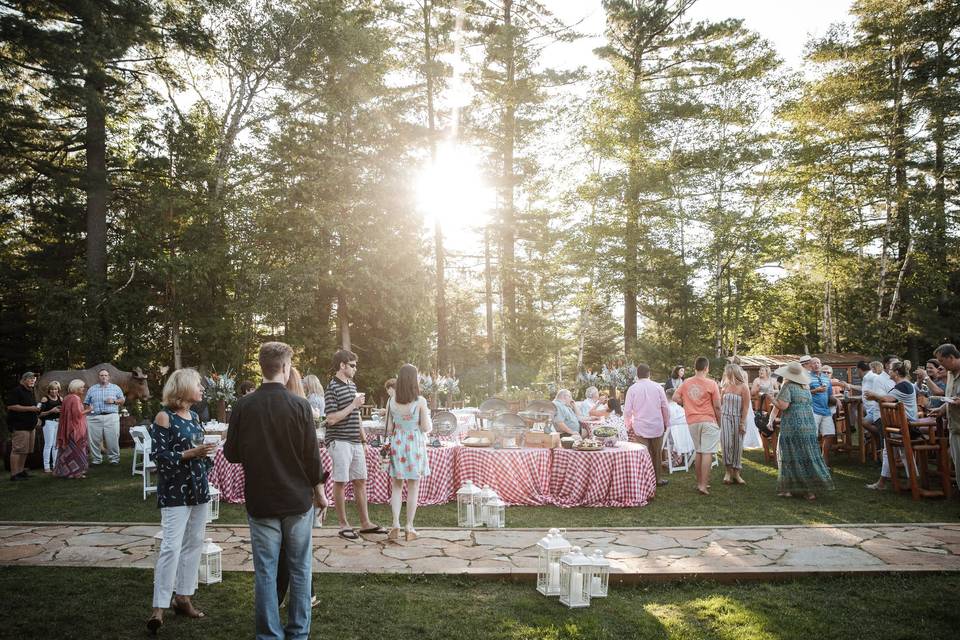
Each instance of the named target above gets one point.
<point>427,386</point>
<point>448,386</point>
<point>220,386</point>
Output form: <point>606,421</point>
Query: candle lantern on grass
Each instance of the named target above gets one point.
<point>486,495</point>
<point>496,512</point>
<point>576,571</point>
<point>213,511</point>
<point>600,580</point>
<point>550,549</point>
<point>468,505</point>
<point>211,569</point>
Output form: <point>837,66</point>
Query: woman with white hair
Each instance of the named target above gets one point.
<point>182,495</point>
<point>72,438</point>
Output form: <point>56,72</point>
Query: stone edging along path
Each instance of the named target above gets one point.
<point>665,553</point>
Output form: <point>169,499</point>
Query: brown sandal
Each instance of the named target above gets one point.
<point>191,612</point>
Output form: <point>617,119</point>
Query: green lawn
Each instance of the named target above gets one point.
<point>111,494</point>
<point>113,603</point>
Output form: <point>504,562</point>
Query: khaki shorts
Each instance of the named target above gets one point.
<point>349,461</point>
<point>706,437</point>
<point>825,425</point>
<point>23,442</point>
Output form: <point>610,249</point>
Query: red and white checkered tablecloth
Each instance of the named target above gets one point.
<point>519,476</point>
<point>620,476</point>
<point>437,488</point>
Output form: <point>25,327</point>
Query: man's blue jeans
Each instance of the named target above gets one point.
<point>266,536</point>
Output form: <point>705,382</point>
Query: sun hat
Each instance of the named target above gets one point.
<point>805,358</point>
<point>793,372</point>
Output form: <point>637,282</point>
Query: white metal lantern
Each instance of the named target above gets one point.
<point>157,541</point>
<point>600,579</point>
<point>575,573</point>
<point>550,549</point>
<point>211,570</point>
<point>495,513</point>
<point>213,511</point>
<point>486,495</point>
<point>468,505</point>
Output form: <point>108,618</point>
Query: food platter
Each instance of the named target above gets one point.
<point>476,442</point>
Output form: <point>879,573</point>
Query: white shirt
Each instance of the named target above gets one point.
<point>586,406</point>
<point>878,383</point>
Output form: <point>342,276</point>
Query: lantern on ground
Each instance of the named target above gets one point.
<point>213,511</point>
<point>576,570</point>
<point>600,580</point>
<point>468,505</point>
<point>496,513</point>
<point>486,495</point>
<point>211,570</point>
<point>550,549</point>
<point>157,541</point>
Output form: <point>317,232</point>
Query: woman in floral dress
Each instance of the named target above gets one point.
<point>801,469</point>
<point>408,422</point>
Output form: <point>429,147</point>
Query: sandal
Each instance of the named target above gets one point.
<point>153,625</point>
<point>190,612</point>
<point>810,496</point>
<point>785,494</point>
<point>348,534</point>
<point>374,529</point>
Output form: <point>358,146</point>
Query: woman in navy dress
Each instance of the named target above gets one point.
<point>182,495</point>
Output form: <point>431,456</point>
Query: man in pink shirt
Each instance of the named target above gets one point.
<point>700,398</point>
<point>646,415</point>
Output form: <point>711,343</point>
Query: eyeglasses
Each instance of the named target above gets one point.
<point>352,365</point>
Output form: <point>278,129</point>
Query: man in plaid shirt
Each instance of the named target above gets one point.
<point>103,422</point>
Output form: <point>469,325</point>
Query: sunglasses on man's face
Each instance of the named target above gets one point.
<point>352,365</point>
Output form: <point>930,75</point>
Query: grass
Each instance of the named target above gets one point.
<point>87,603</point>
<point>111,494</point>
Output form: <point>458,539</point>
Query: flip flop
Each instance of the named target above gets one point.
<point>376,529</point>
<point>348,534</point>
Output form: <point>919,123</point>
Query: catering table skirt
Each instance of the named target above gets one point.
<point>620,476</point>
<point>519,476</point>
<point>437,488</point>
<point>615,477</point>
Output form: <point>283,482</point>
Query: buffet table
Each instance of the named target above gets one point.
<point>614,477</point>
<point>519,476</point>
<point>620,476</point>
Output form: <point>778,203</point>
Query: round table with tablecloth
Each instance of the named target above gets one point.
<point>620,476</point>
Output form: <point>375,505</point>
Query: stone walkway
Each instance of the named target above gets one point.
<point>667,553</point>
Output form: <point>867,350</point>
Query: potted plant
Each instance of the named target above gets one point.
<point>219,389</point>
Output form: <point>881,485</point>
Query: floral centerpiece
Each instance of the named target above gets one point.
<point>448,388</point>
<point>219,389</point>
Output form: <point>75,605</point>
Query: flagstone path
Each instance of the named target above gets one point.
<point>670,553</point>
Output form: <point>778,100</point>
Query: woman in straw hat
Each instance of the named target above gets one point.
<point>801,468</point>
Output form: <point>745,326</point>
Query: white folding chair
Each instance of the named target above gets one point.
<point>139,435</point>
<point>687,457</point>
<point>148,467</point>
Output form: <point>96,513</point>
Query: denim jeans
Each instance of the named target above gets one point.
<point>266,536</point>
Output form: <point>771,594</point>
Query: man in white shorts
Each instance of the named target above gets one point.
<point>346,443</point>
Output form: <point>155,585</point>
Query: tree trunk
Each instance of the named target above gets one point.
<point>440,285</point>
<point>97,192</point>
<point>488,304</point>
<point>507,222</point>
<point>343,313</point>
<point>900,160</point>
<point>632,232</point>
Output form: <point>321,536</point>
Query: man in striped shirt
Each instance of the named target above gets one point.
<point>346,443</point>
<point>103,422</point>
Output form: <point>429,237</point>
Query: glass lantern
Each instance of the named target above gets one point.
<point>211,570</point>
<point>600,580</point>
<point>576,570</point>
<point>486,495</point>
<point>468,505</point>
<point>495,513</point>
<point>550,549</point>
<point>213,510</point>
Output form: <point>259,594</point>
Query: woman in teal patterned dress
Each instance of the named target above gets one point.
<point>408,422</point>
<point>801,468</point>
